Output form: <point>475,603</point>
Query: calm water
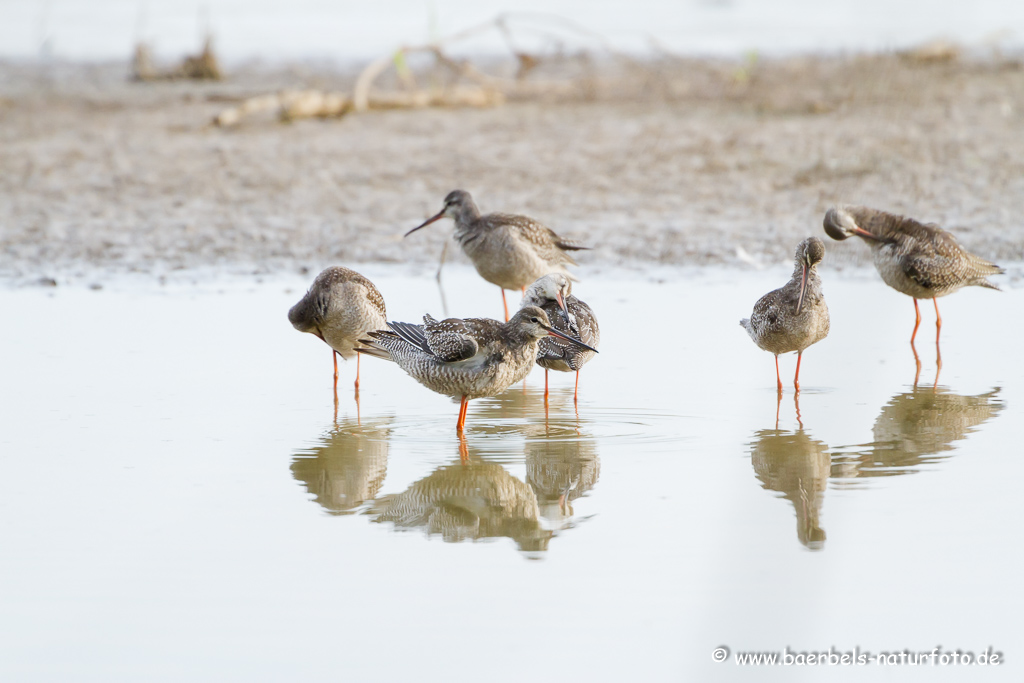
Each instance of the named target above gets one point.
<point>178,500</point>
<point>346,29</point>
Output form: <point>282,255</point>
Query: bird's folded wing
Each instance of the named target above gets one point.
<point>450,340</point>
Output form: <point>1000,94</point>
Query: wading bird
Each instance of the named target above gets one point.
<point>340,307</point>
<point>794,316</point>
<point>920,260</point>
<point>507,250</point>
<point>465,359</point>
<point>553,294</point>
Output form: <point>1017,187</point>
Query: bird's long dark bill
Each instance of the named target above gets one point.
<point>426,223</point>
<point>555,333</point>
<point>803,288</point>
<point>565,309</point>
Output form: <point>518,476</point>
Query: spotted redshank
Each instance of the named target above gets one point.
<point>794,316</point>
<point>468,358</point>
<point>340,307</point>
<point>920,260</point>
<point>508,250</point>
<point>553,294</point>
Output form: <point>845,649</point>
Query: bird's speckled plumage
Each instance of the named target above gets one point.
<point>920,260</point>
<point>555,353</point>
<point>340,307</point>
<point>507,250</point>
<point>776,325</point>
<point>468,358</point>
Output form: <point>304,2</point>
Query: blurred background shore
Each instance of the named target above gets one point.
<point>670,145</point>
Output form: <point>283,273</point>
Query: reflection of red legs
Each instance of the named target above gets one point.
<point>796,377</point>
<point>463,449</point>
<point>461,424</point>
<point>576,396</point>
<point>796,401</point>
<point>504,303</point>
<point>778,377</point>
<point>778,405</point>
<point>938,330</point>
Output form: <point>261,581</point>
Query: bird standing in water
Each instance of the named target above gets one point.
<point>340,307</point>
<point>553,294</point>
<point>469,358</point>
<point>794,316</point>
<point>920,260</point>
<point>507,250</point>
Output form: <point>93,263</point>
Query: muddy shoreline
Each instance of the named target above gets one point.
<point>675,161</point>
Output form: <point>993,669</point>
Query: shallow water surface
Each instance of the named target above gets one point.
<point>181,498</point>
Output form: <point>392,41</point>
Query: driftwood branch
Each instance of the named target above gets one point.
<point>480,89</point>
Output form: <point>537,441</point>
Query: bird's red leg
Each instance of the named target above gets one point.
<point>504,303</point>
<point>461,424</point>
<point>358,358</point>
<point>576,396</point>
<point>778,406</point>
<point>778,377</point>
<point>938,329</point>
<point>796,377</point>
<point>335,355</point>
<point>917,323</point>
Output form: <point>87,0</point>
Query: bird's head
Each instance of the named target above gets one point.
<point>533,323</point>
<point>554,287</point>
<point>458,202</point>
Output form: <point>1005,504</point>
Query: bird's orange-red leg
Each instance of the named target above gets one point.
<point>545,385</point>
<point>778,377</point>
<point>461,424</point>
<point>576,396</point>
<point>335,355</point>
<point>504,303</point>
<point>796,377</point>
<point>938,330</point>
<point>358,358</point>
<point>917,323</point>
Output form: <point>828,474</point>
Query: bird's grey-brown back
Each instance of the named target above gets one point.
<point>554,353</point>
<point>434,354</point>
<point>782,321</point>
<point>340,307</point>
<point>918,259</point>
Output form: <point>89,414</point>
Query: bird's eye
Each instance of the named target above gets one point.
<point>534,320</point>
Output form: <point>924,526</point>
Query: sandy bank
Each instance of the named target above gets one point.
<point>678,161</point>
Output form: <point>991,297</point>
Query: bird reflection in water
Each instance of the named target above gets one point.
<point>560,470</point>
<point>348,466</point>
<point>472,497</point>
<point>468,501</point>
<point>916,428</point>
<point>797,466</point>
<point>476,498</point>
